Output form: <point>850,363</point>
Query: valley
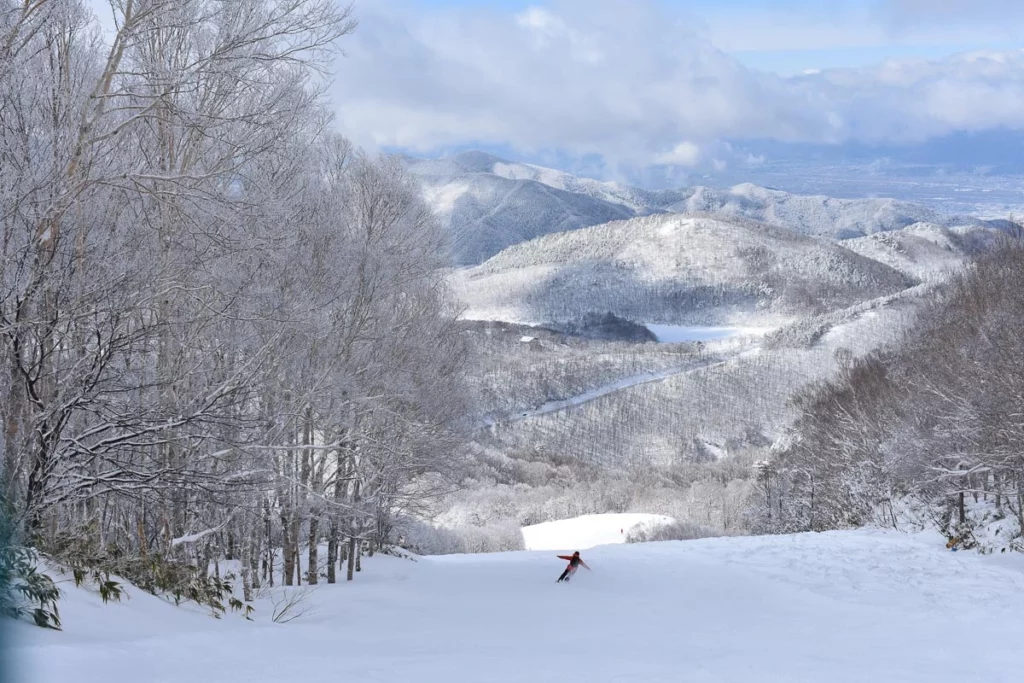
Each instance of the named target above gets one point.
<point>647,365</point>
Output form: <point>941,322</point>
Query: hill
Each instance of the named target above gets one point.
<point>924,250</point>
<point>487,212</point>
<point>673,269</point>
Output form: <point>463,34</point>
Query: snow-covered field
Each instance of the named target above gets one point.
<point>842,607</point>
<point>588,531</point>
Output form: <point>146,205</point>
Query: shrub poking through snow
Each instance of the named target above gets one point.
<point>25,592</point>
<point>154,573</point>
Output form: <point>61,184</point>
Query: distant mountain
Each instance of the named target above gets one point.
<point>482,162</point>
<point>810,214</point>
<point>490,204</point>
<point>924,250</point>
<point>487,211</point>
<point>674,269</point>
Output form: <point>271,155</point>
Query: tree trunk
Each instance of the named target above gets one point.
<point>297,560</point>
<point>141,531</point>
<point>311,576</point>
<point>1020,504</point>
<point>333,535</point>
<point>254,567</point>
<point>288,556</point>
<point>253,550</point>
<point>246,557</point>
<point>351,557</point>
<point>268,559</point>
<point>352,542</point>
<point>332,551</point>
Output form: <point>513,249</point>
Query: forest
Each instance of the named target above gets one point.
<point>933,424</point>
<point>225,330</point>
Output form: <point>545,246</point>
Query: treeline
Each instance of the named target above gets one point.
<point>510,376</point>
<point>224,332</point>
<point>937,420</point>
<point>525,487</point>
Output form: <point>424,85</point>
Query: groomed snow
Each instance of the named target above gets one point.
<point>588,531</point>
<point>849,607</point>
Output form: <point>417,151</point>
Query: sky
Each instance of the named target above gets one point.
<point>620,87</point>
<point>612,84</point>
<point>790,36</point>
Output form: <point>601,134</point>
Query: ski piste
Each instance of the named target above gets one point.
<point>841,607</point>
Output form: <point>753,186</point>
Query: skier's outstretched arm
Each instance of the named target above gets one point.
<point>585,565</point>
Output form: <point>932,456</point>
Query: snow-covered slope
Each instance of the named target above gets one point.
<point>487,212</point>
<point>490,203</point>
<point>588,531</point>
<point>843,607</point>
<point>481,163</point>
<point>671,268</point>
<point>809,214</point>
<point>924,250</point>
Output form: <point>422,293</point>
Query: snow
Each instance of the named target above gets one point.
<point>618,385</point>
<point>490,204</point>
<point>442,198</point>
<point>842,607</point>
<point>198,536</point>
<point>674,334</point>
<point>808,214</point>
<point>604,390</point>
<point>670,269</point>
<point>925,251</point>
<point>588,531</point>
<point>601,391</point>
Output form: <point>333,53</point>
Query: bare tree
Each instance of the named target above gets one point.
<point>225,332</point>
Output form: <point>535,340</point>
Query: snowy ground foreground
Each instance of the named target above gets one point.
<point>840,607</point>
<point>588,531</point>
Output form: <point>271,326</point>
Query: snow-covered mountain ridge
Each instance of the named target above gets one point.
<point>678,269</point>
<point>490,204</point>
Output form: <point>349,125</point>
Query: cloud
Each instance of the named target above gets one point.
<point>787,25</point>
<point>684,154</point>
<point>909,102</point>
<point>637,87</point>
<point>941,11</point>
<point>586,78</point>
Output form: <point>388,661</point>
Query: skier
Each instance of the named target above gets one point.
<point>574,562</point>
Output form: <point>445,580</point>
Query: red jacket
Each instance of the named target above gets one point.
<point>573,560</point>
